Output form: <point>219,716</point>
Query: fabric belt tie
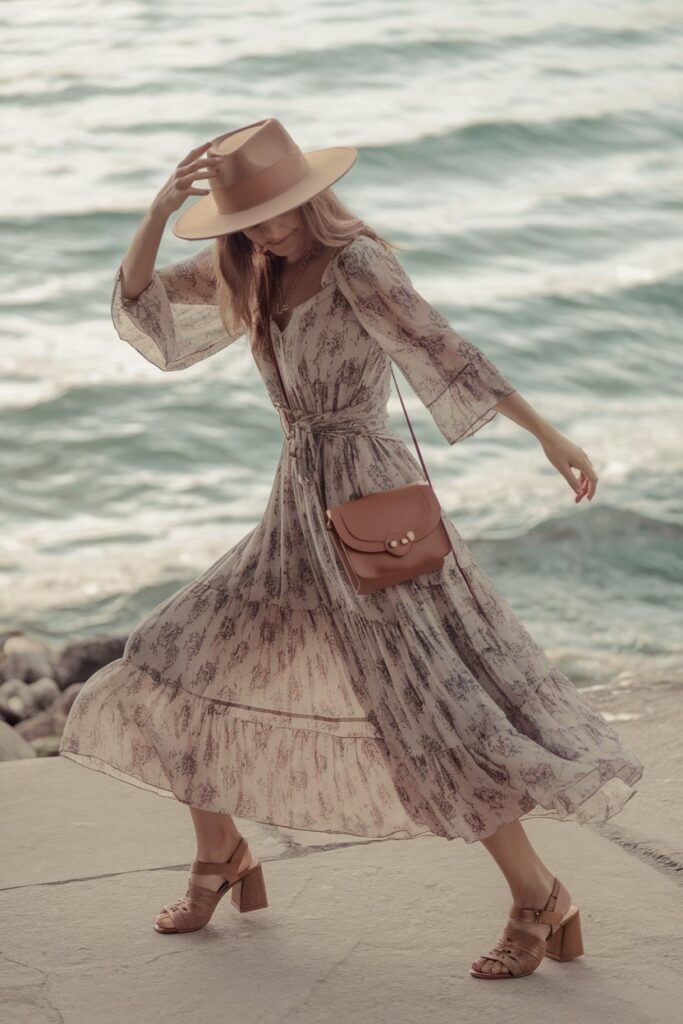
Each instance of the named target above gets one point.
<point>302,430</point>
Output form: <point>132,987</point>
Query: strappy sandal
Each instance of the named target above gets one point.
<point>521,951</point>
<point>243,877</point>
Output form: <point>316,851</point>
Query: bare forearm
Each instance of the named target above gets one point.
<point>137,266</point>
<point>516,408</point>
<point>562,453</point>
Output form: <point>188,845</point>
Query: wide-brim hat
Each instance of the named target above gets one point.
<point>262,173</point>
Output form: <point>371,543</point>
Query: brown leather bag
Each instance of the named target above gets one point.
<point>390,536</point>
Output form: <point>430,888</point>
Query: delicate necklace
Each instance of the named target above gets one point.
<point>282,306</point>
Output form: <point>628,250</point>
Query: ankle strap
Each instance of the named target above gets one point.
<point>544,915</point>
<point>551,917</point>
<point>230,869</point>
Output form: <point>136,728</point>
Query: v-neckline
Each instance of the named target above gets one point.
<point>324,285</point>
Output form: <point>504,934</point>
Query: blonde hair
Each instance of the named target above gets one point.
<point>246,278</point>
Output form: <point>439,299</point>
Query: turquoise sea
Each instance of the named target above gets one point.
<point>529,160</point>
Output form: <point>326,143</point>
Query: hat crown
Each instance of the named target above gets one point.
<point>257,163</point>
<point>250,149</point>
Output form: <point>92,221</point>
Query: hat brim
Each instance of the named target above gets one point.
<point>204,219</point>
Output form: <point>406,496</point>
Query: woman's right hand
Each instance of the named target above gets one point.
<point>192,167</point>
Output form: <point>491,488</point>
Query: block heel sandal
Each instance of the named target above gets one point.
<point>249,892</point>
<point>521,951</point>
<point>567,942</point>
<point>243,879</point>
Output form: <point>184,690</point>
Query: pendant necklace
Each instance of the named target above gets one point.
<point>282,307</point>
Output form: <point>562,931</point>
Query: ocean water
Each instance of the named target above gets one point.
<point>527,158</point>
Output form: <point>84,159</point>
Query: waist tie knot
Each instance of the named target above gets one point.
<point>302,431</point>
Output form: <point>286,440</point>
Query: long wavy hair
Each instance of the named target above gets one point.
<point>246,278</point>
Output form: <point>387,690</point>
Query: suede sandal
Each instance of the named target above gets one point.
<point>521,951</point>
<point>243,877</point>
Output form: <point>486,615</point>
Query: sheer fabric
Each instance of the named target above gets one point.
<point>174,322</point>
<point>266,687</point>
<point>452,377</point>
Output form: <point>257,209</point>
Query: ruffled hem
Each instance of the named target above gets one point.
<point>378,775</point>
<point>603,804</point>
<point>219,757</point>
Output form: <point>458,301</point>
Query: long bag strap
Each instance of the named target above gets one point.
<point>405,412</point>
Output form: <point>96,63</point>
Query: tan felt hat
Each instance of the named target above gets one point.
<point>262,173</point>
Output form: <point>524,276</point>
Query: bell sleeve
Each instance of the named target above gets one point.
<point>175,320</point>
<point>455,381</point>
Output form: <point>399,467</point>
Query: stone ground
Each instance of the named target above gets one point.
<point>371,931</point>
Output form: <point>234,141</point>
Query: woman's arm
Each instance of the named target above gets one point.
<point>458,384</point>
<point>137,266</point>
<point>170,314</point>
<point>562,453</point>
<point>175,321</point>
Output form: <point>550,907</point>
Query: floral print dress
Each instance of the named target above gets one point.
<point>267,687</point>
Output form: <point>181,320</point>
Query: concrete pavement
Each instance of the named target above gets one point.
<point>379,932</point>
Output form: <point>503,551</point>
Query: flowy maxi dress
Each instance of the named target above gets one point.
<point>267,687</point>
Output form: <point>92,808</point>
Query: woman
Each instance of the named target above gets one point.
<point>267,687</point>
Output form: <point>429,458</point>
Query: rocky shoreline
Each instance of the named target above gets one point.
<point>38,685</point>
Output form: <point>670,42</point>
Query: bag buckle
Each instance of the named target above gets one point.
<point>393,542</point>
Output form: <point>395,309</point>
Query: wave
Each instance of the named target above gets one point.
<point>527,139</point>
<point>604,523</point>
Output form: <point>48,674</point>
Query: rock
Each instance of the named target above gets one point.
<point>46,746</point>
<point>16,701</point>
<point>44,692</point>
<point>66,698</point>
<point>45,723</point>
<point>77,661</point>
<point>13,747</point>
<point>24,657</point>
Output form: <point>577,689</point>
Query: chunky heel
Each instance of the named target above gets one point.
<point>567,942</point>
<point>249,893</point>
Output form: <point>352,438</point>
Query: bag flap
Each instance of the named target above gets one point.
<point>367,523</point>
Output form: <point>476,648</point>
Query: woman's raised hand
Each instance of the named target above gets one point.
<point>179,186</point>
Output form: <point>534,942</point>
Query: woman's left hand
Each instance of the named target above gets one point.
<point>566,456</point>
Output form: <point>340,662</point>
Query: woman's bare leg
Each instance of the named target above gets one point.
<point>217,837</point>
<point>529,879</point>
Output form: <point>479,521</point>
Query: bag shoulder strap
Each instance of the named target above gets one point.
<point>411,428</point>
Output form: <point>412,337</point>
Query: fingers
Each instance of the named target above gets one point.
<point>190,171</point>
<point>575,484</point>
<point>197,151</point>
<point>185,177</point>
<point>581,486</point>
<point>183,180</point>
<point>586,485</point>
<point>206,161</point>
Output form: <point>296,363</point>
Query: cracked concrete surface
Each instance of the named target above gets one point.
<point>356,930</point>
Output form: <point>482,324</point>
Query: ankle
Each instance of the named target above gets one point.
<point>534,890</point>
<point>217,851</point>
